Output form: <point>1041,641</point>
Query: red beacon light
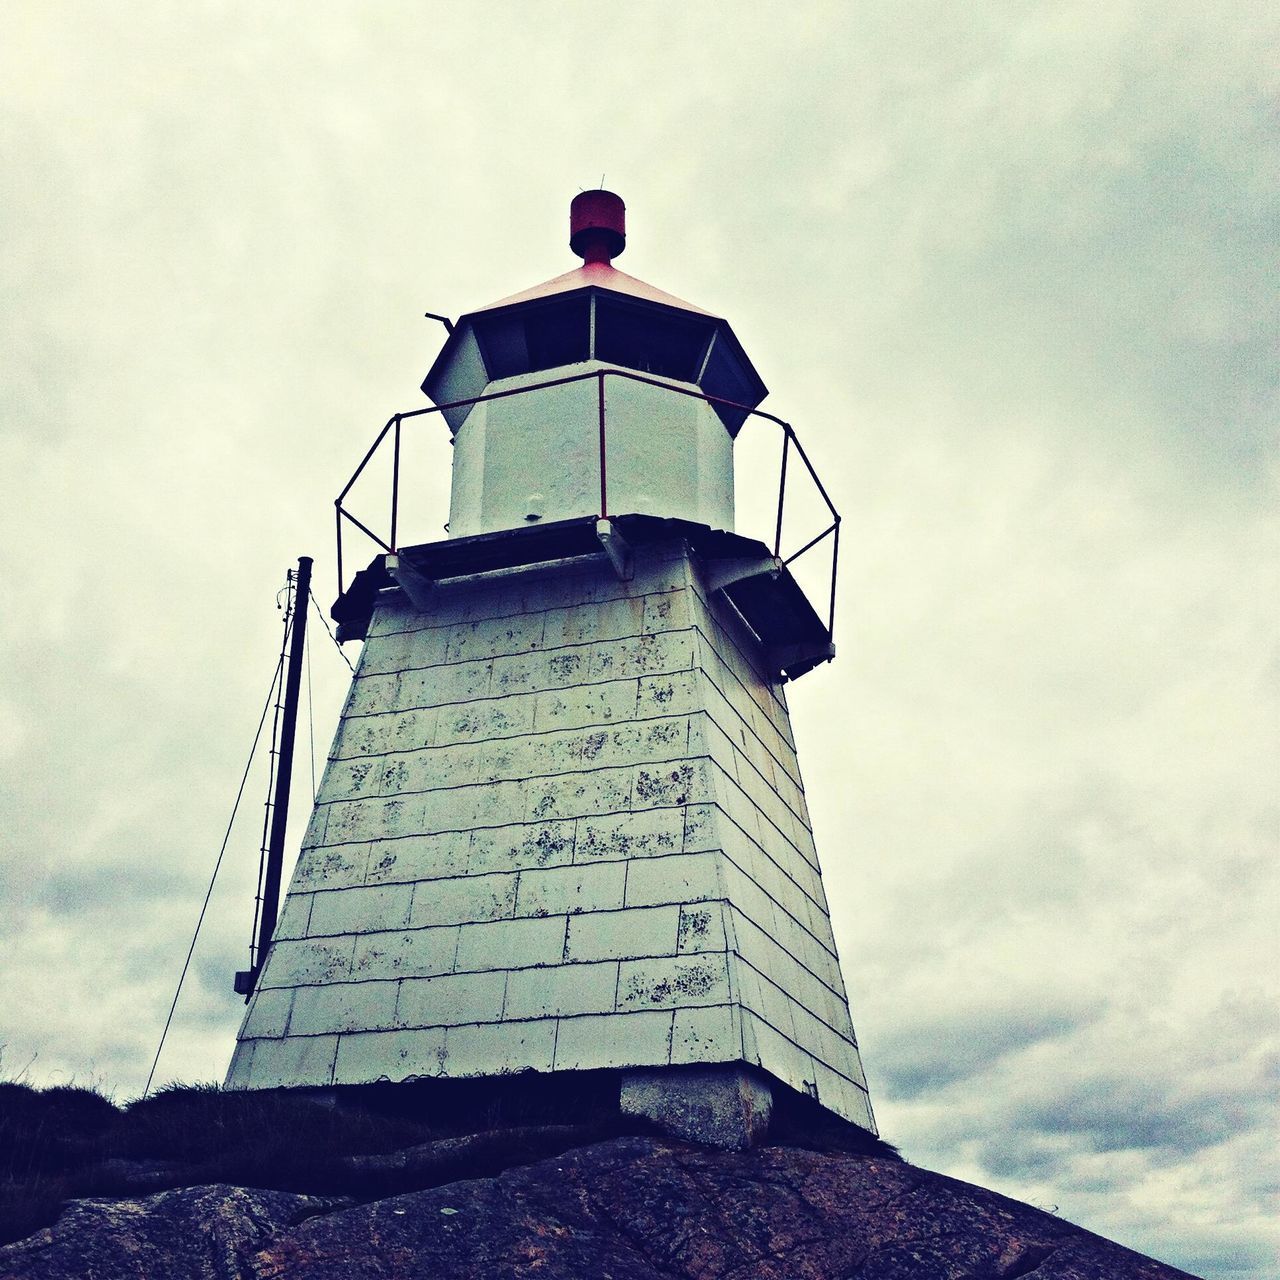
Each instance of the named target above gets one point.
<point>597,225</point>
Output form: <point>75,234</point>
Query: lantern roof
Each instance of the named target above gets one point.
<point>601,275</point>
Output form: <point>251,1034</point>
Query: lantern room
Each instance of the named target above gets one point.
<point>517,384</point>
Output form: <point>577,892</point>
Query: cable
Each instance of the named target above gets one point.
<point>209,893</point>
<point>329,631</point>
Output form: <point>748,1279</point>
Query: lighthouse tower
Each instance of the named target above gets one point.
<point>562,827</point>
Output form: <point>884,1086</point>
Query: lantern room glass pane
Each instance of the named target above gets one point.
<point>725,377</point>
<point>535,337</point>
<point>650,340</point>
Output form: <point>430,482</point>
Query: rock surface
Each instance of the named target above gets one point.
<point>199,1233</point>
<point>627,1209</point>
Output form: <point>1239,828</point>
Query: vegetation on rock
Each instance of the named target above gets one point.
<point>69,1143</point>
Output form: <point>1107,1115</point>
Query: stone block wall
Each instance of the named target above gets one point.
<point>562,827</point>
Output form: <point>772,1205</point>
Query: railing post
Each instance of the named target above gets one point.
<point>835,564</point>
<point>604,487</point>
<point>395,484</point>
<point>337,522</point>
<point>782,490</point>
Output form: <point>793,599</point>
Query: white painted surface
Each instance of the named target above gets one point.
<point>536,456</point>
<point>562,825</point>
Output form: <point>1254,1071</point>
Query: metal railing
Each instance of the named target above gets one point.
<point>394,429</point>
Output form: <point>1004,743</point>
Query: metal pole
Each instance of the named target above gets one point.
<point>782,491</point>
<point>284,762</point>
<point>337,521</point>
<point>835,565</point>
<point>604,493</point>
<point>395,485</point>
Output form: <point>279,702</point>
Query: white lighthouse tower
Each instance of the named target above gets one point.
<point>562,827</point>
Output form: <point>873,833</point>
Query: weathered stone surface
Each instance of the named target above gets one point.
<point>721,1106</point>
<point>200,1233</point>
<point>558,798</point>
<point>630,1208</point>
<point>638,1209</point>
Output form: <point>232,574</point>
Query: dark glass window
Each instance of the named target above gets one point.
<point>651,341</point>
<point>725,377</point>
<point>530,338</point>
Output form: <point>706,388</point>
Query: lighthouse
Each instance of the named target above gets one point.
<point>562,828</point>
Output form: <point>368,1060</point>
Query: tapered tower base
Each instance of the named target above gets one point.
<point>562,829</point>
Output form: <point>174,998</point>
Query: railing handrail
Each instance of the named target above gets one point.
<point>790,438</point>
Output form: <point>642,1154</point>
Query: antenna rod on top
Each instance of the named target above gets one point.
<point>284,765</point>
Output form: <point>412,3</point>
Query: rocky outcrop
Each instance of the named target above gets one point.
<point>198,1233</point>
<point>630,1208</point>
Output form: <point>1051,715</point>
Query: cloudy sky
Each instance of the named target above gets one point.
<point>1009,268</point>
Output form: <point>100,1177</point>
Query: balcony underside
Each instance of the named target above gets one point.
<point>742,571</point>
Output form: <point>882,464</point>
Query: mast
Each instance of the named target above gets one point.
<point>284,775</point>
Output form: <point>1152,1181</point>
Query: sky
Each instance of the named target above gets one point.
<point>1008,267</point>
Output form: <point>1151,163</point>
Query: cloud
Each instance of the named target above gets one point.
<point>923,1056</point>
<point>1005,268</point>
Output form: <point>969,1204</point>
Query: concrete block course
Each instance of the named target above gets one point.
<point>615,935</point>
<point>641,833</point>
<point>675,981</point>
<point>363,909</point>
<point>494,637</point>
<point>765,747</point>
<point>562,827</point>
<point>435,856</point>
<point>843,1096</point>
<point>332,866</point>
<point>780,874</point>
<point>681,782</point>
<point>482,720</point>
<point>642,655</point>
<point>498,1049</point>
<point>822,996</point>
<point>522,846</point>
<point>464,899</point>
<point>304,962</point>
<point>767,1047</point>
<point>451,999</point>
<point>789,935</point>
<point>759,707</point>
<point>562,990</point>
<point>384,733</point>
<point>701,927</point>
<point>343,1006</point>
<point>294,1061</point>
<point>268,1014</point>
<point>677,693</point>
<point>314,834</point>
<point>582,705</point>
<point>511,944</point>
<point>571,890</point>
<point>416,647</point>
<point>706,1035</point>
<point>609,620</point>
<point>680,878</point>
<point>612,1040</point>
<point>400,953</point>
<point>389,1055</point>
<point>578,794</point>
<point>295,915</point>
